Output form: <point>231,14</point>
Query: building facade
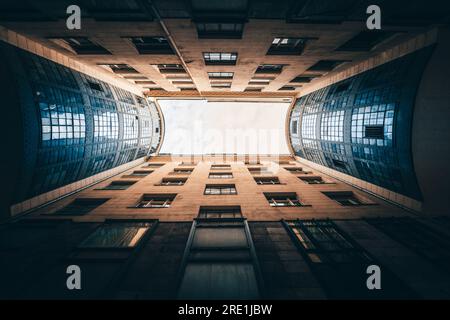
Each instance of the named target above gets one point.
<point>214,227</point>
<point>365,184</point>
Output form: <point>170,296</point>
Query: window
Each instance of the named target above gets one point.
<point>220,58</point>
<point>220,175</point>
<point>339,262</point>
<point>82,45</point>
<point>152,45</point>
<point>220,189</point>
<point>283,199</point>
<point>304,79</point>
<point>138,173</point>
<point>218,262</point>
<point>267,180</point>
<point>156,201</point>
<point>221,85</point>
<point>155,165</point>
<point>116,235</point>
<point>171,68</point>
<point>220,166</point>
<point>375,132</point>
<point>287,88</point>
<point>339,164</point>
<point>270,68</point>
<point>220,75</point>
<point>118,185</point>
<point>332,126</point>
<point>218,30</point>
<point>120,68</point>
<point>173,181</point>
<point>81,206</point>
<point>253,89</point>
<point>345,198</point>
<point>287,46</point>
<point>183,170</point>
<point>366,40</point>
<point>95,86</point>
<point>373,125</point>
<point>294,127</point>
<point>325,65</point>
<point>294,169</point>
<point>312,179</point>
<point>223,212</point>
<point>309,126</point>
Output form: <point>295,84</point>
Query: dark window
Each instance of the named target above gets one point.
<point>267,180</point>
<point>220,58</point>
<point>339,164</point>
<point>294,169</point>
<point>270,68</point>
<point>220,189</point>
<point>287,88</point>
<point>121,68</point>
<point>173,181</point>
<point>223,212</point>
<point>220,175</point>
<point>218,262</point>
<point>152,45</point>
<point>253,89</point>
<point>220,75</point>
<point>171,68</point>
<point>425,241</point>
<point>156,201</point>
<point>141,82</point>
<point>366,40</point>
<point>118,185</point>
<point>139,173</point>
<point>116,235</point>
<point>326,65</point>
<point>312,179</point>
<point>81,206</point>
<point>155,165</point>
<point>82,45</point>
<point>324,245</point>
<point>345,198</point>
<point>95,86</point>
<point>375,132</point>
<point>283,199</point>
<point>294,127</point>
<point>304,79</point>
<point>218,30</point>
<point>287,46</point>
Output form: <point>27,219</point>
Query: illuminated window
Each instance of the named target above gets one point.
<point>332,126</point>
<point>282,199</point>
<point>373,125</point>
<point>116,235</point>
<point>106,125</point>
<point>156,201</point>
<point>220,58</point>
<point>216,189</point>
<point>220,175</point>
<point>287,46</point>
<point>309,126</point>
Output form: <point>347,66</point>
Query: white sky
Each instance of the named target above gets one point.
<point>199,127</point>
